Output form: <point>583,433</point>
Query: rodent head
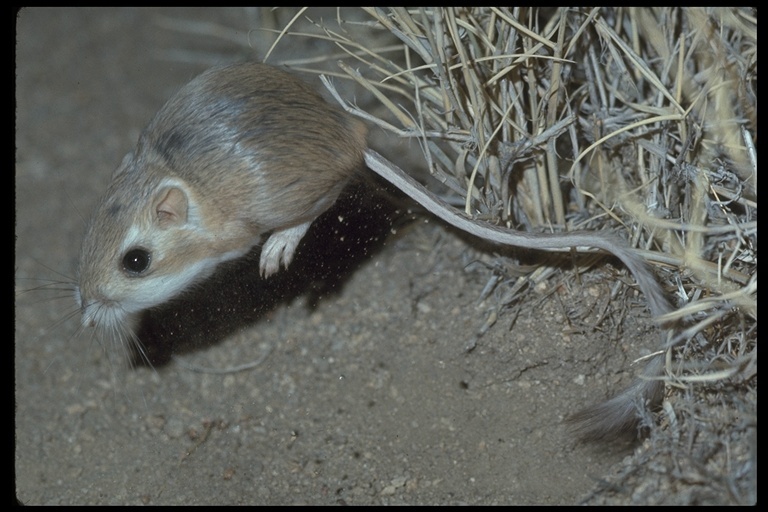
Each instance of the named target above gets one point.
<point>147,241</point>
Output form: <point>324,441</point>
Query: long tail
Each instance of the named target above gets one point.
<point>618,416</point>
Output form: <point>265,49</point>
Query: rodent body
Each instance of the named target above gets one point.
<point>238,152</point>
<point>247,149</point>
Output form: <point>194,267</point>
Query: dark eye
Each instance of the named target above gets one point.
<point>136,261</point>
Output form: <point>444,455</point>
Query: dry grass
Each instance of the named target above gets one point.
<point>641,119</point>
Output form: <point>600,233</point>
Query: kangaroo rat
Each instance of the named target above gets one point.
<point>247,149</point>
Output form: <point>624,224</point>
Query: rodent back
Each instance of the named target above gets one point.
<point>261,138</point>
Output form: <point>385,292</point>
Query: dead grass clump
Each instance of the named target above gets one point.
<point>638,119</point>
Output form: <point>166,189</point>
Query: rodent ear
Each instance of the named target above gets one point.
<point>172,207</point>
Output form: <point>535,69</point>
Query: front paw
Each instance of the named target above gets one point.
<point>280,247</point>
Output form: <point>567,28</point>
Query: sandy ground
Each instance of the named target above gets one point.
<point>364,391</point>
